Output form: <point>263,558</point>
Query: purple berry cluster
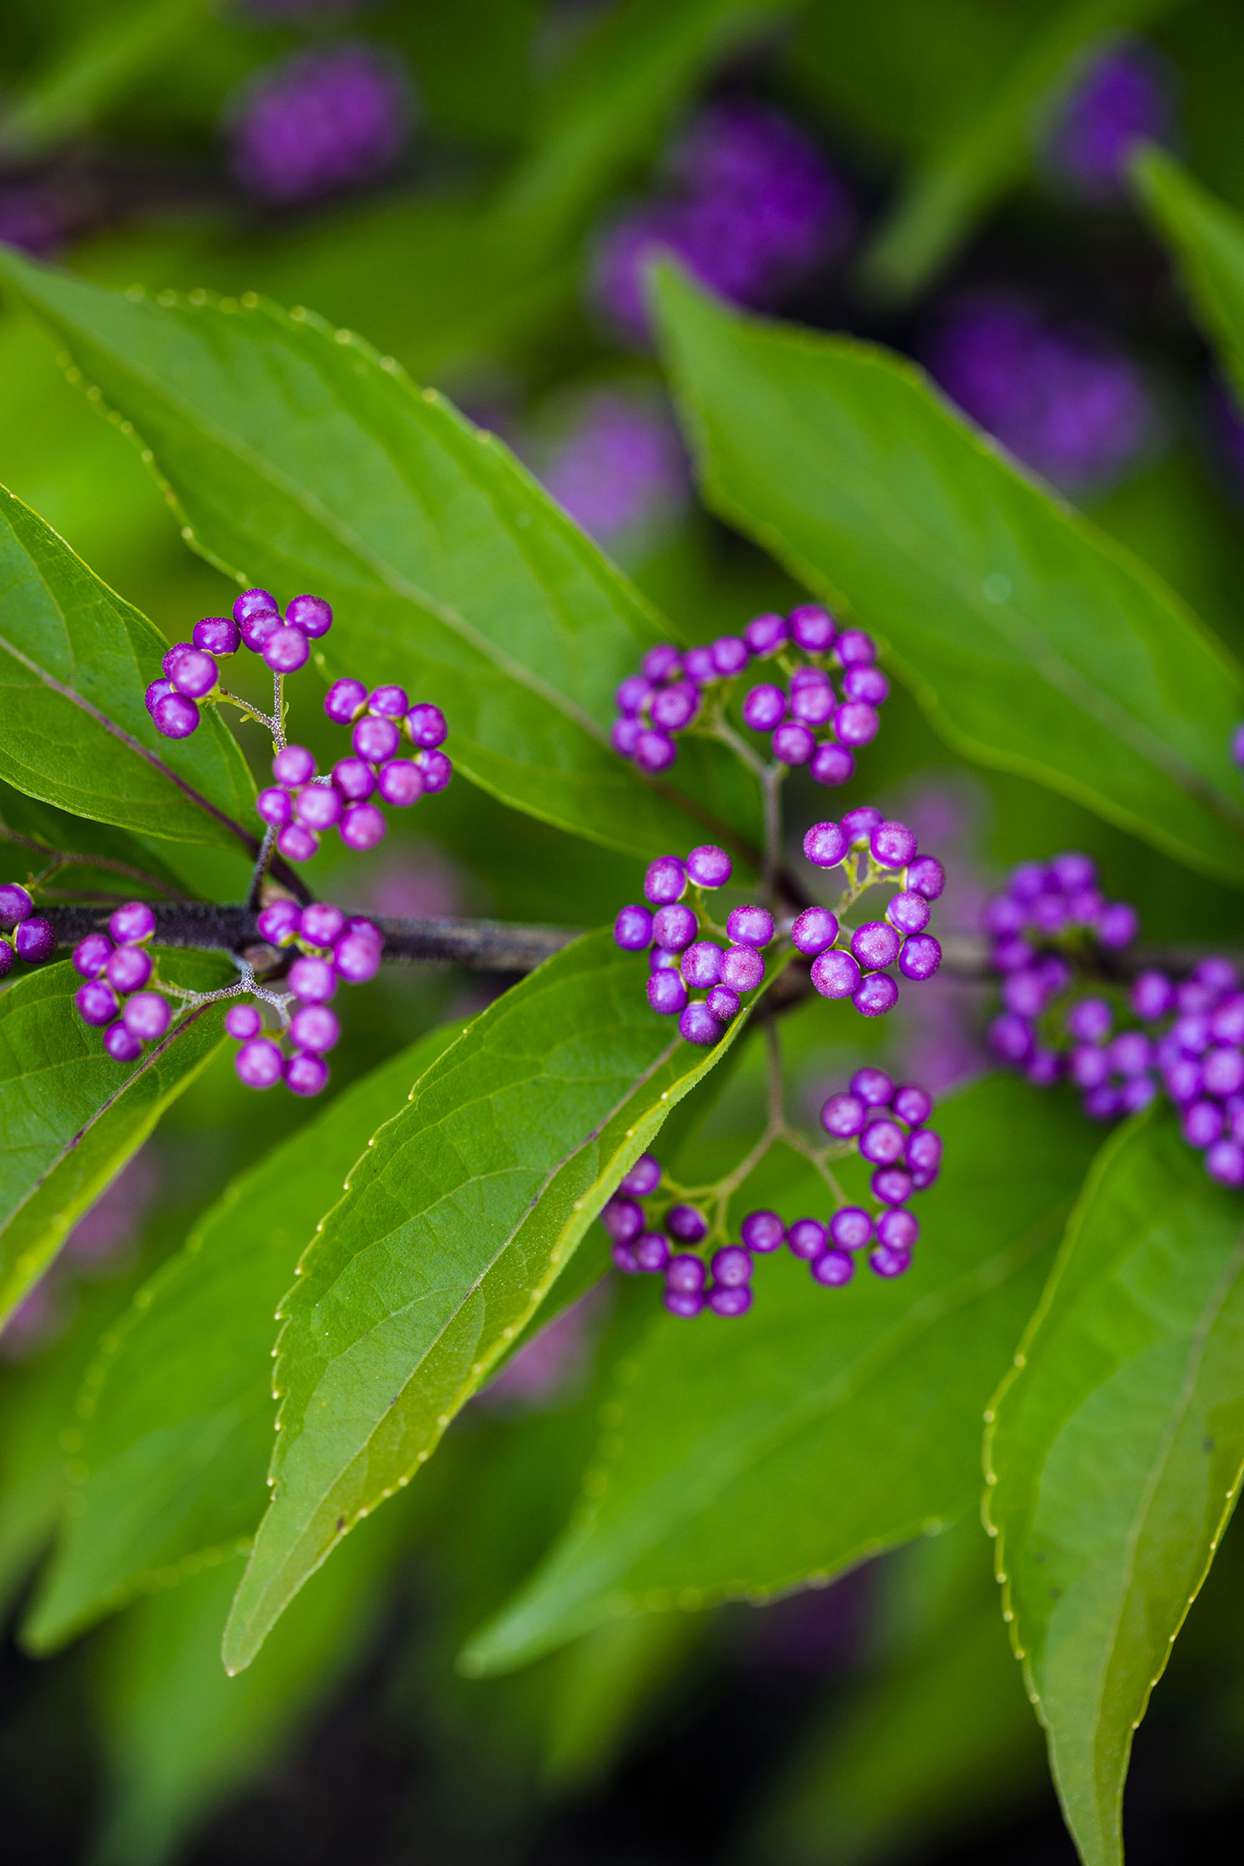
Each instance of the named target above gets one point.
<point>24,934</point>
<point>656,1233</point>
<point>383,723</point>
<point>1121,1045</point>
<point>886,1124</point>
<point>321,121</point>
<point>1119,102</point>
<point>116,995</point>
<point>190,670</point>
<point>806,719</point>
<point>859,962</point>
<point>748,208</point>
<point>332,948</point>
<point>683,958</point>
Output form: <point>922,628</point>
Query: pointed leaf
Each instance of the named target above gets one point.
<point>75,663</point>
<point>72,1116</point>
<point>453,1229</point>
<point>745,1461</point>
<point>299,458</point>
<point>1207,238</point>
<point>174,1428</point>
<point>1115,1455</point>
<point>1036,643</point>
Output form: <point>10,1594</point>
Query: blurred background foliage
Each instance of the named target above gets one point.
<point>481,211</point>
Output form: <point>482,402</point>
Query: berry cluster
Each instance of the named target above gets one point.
<point>855,962</point>
<point>1120,1045</point>
<point>331,948</point>
<point>328,119</point>
<point>115,997</point>
<point>383,723</point>
<point>806,719</point>
<point>681,961</point>
<point>190,670</point>
<point>655,1230</point>
<point>23,932</point>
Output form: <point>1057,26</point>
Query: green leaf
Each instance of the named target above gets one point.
<point>990,147</point>
<point>72,1116</point>
<point>299,457</point>
<point>1207,239</point>
<point>744,1462</point>
<point>75,662</point>
<point>1114,1456</point>
<point>1036,644</point>
<point>96,66</point>
<point>179,1738</point>
<point>174,1428</point>
<point>454,1227</point>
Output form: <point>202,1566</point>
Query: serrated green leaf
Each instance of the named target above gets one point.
<point>72,1116</point>
<point>453,1229</point>
<point>1037,644</point>
<point>299,458</point>
<point>991,146</point>
<point>1115,1454</point>
<point>75,662</point>
<point>1207,238</point>
<point>746,1461</point>
<point>174,1428</point>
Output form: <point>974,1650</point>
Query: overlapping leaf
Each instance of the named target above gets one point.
<point>75,662</point>
<point>301,458</point>
<point>1115,1455</point>
<point>1207,238</point>
<point>1037,644</point>
<point>174,1432</point>
<point>72,1116</point>
<point>741,1461</point>
<point>453,1229</point>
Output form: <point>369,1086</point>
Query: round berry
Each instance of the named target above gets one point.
<point>624,1259</point>
<point>730,655</point>
<point>1117,926</point>
<point>667,995</point>
<point>375,740</point>
<point>683,1303</point>
<point>926,876</point>
<point>662,662</point>
<point>357,957</point>
<point>1153,995</point>
<point>252,603</point>
<point>876,995</point>
<point>731,1266</point>
<point>363,825</point>
<point>651,1251</point>
<point>128,969</point>
<point>305,1073</point>
<point>856,723</point>
<point>843,1116</point>
<point>908,912</point>
<point>835,974</point>
<point>275,806</point>
<point>697,665</point>
<point>686,1274</point>
<point>155,693</point>
<point>850,1228</point>
<point>1225,1163</point>
<point>147,1016</point>
<point>674,707</point>
<point>259,1063</point>
<point>813,628</point>
<point>390,702</point>
<point>825,844</point>
<point>193,673</point>
<point>294,765</point>
<point>698,1025</point>
<point>96,1002</point>
<point>686,1223</point>
<point>172,655</point>
<point>132,923</point>
<point>654,751</point>
<point>806,1238</point>
<point>730,1299</point>
<point>866,683</point>
<point>742,968</point>
<point>709,866</point>
<point>924,1151</point>
<point>296,842</point>
<point>217,635</point>
<point>893,845</point>
<point>322,924</point>
<point>883,1142</point>
<point>792,743</point>
<point>665,880</point>
<point>723,1002</point>
<point>766,633</point>
<point>622,1219</point>
<point>632,930</point>
<point>834,1268</point>
<point>887,1261</point>
<point>314,980</point>
<point>437,770</point>
<point>813,703</point>
<point>701,964</point>
<point>643,1178</point>
<point>243,1021</point>
<point>762,1231</point>
<point>318,806</point>
<point>121,1044</point>
<point>259,628</point>
<point>354,779</point>
<point>91,955</point>
<point>814,930</point>
<point>911,1104</point>
<point>831,764</point>
<point>897,1230</point>
<point>920,957</point>
<point>345,700</point>
<point>175,716</point>
<point>311,614</point>
<point>401,782</point>
<point>674,927</point>
<point>764,707</point>
<point>855,648</point>
<point>16,904</point>
<point>632,693</point>
<point>279,922</point>
<point>873,1086</point>
<point>750,926</point>
<point>875,944</point>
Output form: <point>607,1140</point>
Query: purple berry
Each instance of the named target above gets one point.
<point>856,649</point>
<point>643,1178</point>
<point>674,927</point>
<point>701,964</point>
<point>709,866</point>
<point>825,844</point>
<point>792,743</point>
<point>132,923</point>
<point>893,845</point>
<point>297,843</point>
<point>883,1142</point>
<point>875,944</point>
<point>632,930</point>
<point>16,904</point>
<point>275,806</point>
<point>764,708</point>
<point>908,913</point>
<point>437,770</point>
<point>851,1228</point>
<point>172,655</point>
<point>353,779</point>
<point>762,1231</point>
<point>217,635</point>
<point>193,673</point>
<point>835,974</point>
<point>730,655</point>
<point>866,683</point>
<point>814,930</point>
<point>305,1073</point>
<point>876,995</point>
<point>662,662</point>
<point>259,1063</point>
<point>96,1002</point>
<point>389,702</point>
<point>311,614</point>
<point>279,922</point>
<point>920,957</point>
<point>121,1044</point>
<point>698,1025</point>
<point>750,926</point>
<point>887,1261</point>
<point>128,969</point>
<point>1153,995</point>
<point>147,1016</point>
<point>843,1116</point>
<point>319,806</point>
<point>654,751</point>
<point>723,1002</point>
<point>731,1266</point>
<point>294,765</point>
<point>363,825</point>
<point>926,876</point>
<point>314,980</point>
<point>91,955</point>
<point>806,1239</point>
<point>622,1219</point>
<point>743,969</point>
<point>897,1230</point>
<point>685,1304</point>
<point>813,703</point>
<point>686,1274</point>
<point>155,693</point>
<point>674,707</point>
<point>375,740</point>
<point>1225,1163</point>
<point>345,700</point>
<point>665,880</point>
<point>686,1223</point>
<point>252,603</point>
<point>357,957</point>
<point>257,629</point>
<point>175,716</point>
<point>833,1269</point>
<point>624,1259</point>
<point>813,628</point>
<point>322,924</point>
<point>243,1021</point>
<point>730,1300</point>
<point>667,995</point>
<point>630,696</point>
<point>924,1151</point>
<point>856,723</point>
<point>401,782</point>
<point>1117,926</point>
<point>913,1105</point>
<point>873,1086</point>
<point>651,1251</point>
<point>765,633</point>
